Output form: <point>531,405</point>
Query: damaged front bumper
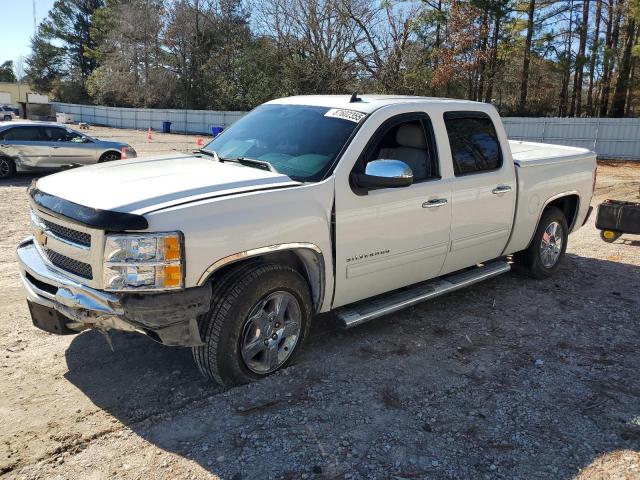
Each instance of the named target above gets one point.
<point>61,305</point>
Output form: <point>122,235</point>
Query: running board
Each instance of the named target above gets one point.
<point>365,310</point>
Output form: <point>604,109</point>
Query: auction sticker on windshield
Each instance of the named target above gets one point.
<point>345,114</point>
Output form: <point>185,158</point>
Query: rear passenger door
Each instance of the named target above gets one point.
<point>27,144</point>
<point>483,190</point>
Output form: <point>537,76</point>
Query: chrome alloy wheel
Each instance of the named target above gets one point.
<point>551,245</point>
<point>270,332</point>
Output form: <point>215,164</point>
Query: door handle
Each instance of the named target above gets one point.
<point>56,146</point>
<point>501,189</point>
<point>434,202</point>
<point>4,146</point>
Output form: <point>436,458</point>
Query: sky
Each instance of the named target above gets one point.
<point>16,28</point>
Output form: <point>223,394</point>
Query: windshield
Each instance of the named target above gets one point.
<point>298,141</point>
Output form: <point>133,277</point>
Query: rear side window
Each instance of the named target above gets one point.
<point>474,143</point>
<point>26,134</point>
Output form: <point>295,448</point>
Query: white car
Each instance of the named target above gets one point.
<point>7,113</point>
<point>361,206</point>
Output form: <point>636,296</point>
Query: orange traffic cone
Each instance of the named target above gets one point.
<point>149,137</point>
<point>123,153</point>
<point>200,141</point>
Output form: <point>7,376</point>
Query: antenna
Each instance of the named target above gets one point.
<point>355,98</point>
<point>34,17</point>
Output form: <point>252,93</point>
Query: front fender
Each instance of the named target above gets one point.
<point>223,230</point>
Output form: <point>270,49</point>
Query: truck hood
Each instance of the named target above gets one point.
<point>150,183</point>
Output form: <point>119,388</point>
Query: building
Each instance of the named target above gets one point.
<point>21,96</point>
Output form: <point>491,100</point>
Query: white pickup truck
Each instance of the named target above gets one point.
<point>359,205</point>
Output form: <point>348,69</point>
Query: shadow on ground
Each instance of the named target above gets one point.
<point>512,378</point>
<point>24,179</point>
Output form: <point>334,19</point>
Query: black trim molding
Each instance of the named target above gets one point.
<point>92,217</point>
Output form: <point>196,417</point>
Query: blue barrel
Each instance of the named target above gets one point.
<point>215,131</point>
<point>166,127</point>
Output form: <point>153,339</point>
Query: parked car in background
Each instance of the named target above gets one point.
<point>26,145</point>
<point>309,204</point>
<point>7,113</point>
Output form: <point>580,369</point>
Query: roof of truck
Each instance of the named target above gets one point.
<point>367,103</point>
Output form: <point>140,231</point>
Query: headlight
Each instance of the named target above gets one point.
<point>143,262</point>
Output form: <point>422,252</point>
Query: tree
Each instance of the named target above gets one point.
<point>6,72</point>
<point>593,60</point>
<point>60,49</point>
<point>621,90</point>
<point>524,84</point>
<point>133,70</point>
<point>580,60</point>
<point>45,64</point>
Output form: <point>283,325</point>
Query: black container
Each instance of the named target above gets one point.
<point>619,216</point>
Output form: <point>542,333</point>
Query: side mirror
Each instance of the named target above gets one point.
<point>384,174</point>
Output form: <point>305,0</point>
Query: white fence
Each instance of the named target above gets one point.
<point>611,138</point>
<point>182,121</point>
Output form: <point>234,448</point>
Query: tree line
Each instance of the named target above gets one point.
<point>528,57</point>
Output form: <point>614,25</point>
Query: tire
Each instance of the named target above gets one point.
<point>543,256</point>
<point>109,157</point>
<point>610,236</point>
<point>235,350</point>
<point>7,118</point>
<point>7,168</point>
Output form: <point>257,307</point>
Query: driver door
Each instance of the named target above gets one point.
<point>389,238</point>
<point>68,147</point>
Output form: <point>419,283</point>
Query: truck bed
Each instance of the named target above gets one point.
<point>545,172</point>
<point>529,154</point>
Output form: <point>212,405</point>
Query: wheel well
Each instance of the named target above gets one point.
<point>568,205</point>
<point>306,262</point>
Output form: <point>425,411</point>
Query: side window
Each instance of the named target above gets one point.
<point>410,141</point>
<point>474,143</point>
<point>25,134</point>
<point>57,134</point>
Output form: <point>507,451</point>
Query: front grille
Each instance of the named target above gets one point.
<point>66,233</point>
<point>76,267</point>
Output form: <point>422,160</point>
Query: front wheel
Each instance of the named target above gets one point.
<point>542,258</point>
<point>109,157</point>
<point>7,118</point>
<point>259,318</point>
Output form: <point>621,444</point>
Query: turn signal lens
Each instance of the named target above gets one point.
<point>171,248</point>
<point>172,276</point>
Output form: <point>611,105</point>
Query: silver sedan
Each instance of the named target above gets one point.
<point>27,146</point>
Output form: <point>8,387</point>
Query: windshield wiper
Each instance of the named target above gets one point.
<point>211,153</point>
<point>251,162</point>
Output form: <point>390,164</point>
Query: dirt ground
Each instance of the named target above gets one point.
<point>512,378</point>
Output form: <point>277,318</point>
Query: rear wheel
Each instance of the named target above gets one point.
<point>548,246</point>
<point>7,168</point>
<point>109,157</point>
<point>259,318</point>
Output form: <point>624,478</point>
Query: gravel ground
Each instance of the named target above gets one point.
<point>512,378</point>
